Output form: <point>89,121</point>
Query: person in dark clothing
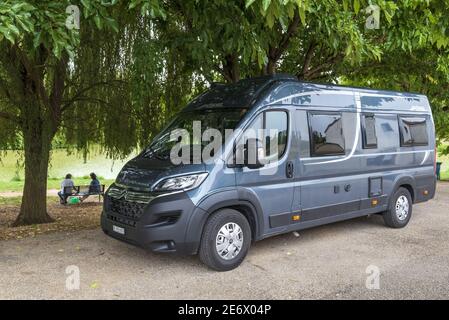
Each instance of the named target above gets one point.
<point>94,187</point>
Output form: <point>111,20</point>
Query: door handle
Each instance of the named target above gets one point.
<point>289,170</point>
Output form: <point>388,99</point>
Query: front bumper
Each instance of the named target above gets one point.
<point>161,225</point>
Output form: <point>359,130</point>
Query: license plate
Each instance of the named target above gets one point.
<point>118,229</point>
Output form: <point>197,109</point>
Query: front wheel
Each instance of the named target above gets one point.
<point>225,241</point>
<point>400,210</point>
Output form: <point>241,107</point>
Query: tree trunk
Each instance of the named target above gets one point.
<point>37,140</point>
<point>231,68</point>
<point>271,67</point>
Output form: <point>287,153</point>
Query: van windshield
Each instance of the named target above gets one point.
<point>220,119</point>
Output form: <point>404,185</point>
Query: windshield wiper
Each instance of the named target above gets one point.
<point>150,153</point>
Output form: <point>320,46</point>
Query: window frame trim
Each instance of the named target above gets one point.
<point>312,144</point>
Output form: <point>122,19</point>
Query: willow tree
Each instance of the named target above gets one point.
<point>47,69</point>
<point>113,83</point>
<point>35,49</point>
<point>144,81</point>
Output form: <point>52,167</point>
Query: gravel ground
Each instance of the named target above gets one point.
<point>327,262</point>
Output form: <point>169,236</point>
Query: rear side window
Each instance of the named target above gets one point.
<point>326,134</point>
<point>369,131</point>
<point>413,131</point>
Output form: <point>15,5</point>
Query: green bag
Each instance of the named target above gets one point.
<point>74,200</point>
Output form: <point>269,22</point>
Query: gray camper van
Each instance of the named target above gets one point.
<point>342,153</point>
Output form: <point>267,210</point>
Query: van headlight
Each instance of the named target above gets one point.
<point>185,183</point>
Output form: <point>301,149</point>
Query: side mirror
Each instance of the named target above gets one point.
<point>254,154</point>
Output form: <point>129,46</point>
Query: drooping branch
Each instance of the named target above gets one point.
<point>10,117</point>
<point>5,88</point>
<point>90,99</point>
<point>80,94</point>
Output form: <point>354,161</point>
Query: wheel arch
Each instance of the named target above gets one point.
<point>406,182</point>
<point>249,207</point>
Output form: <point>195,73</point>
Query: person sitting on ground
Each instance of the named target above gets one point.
<point>66,189</point>
<point>94,187</point>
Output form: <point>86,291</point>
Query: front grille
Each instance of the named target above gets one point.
<point>126,206</point>
<point>126,209</point>
<point>129,195</point>
<point>128,222</point>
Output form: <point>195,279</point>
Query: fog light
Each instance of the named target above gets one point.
<point>426,192</point>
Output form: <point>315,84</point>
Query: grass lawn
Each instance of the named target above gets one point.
<point>12,176</point>
<point>444,171</point>
<point>53,183</point>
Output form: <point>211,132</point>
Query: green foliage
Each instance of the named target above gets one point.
<point>133,64</point>
<point>34,23</point>
<point>415,57</point>
<point>150,8</point>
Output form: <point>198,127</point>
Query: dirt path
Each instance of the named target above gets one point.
<point>67,218</point>
<point>50,193</point>
<point>324,262</point>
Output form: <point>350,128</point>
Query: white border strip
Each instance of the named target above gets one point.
<point>374,154</point>
<point>317,92</point>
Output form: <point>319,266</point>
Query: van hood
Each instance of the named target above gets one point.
<point>141,172</point>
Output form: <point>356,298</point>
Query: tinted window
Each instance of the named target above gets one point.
<point>387,132</point>
<point>413,131</point>
<point>270,127</point>
<point>369,131</point>
<point>276,128</point>
<point>326,134</point>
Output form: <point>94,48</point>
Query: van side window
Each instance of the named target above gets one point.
<point>369,137</point>
<point>413,131</point>
<point>326,134</point>
<point>276,128</point>
<point>272,128</point>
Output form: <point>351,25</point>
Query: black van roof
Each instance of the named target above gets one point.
<point>243,93</point>
<point>239,94</point>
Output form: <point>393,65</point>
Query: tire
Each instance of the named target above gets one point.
<point>400,209</point>
<point>225,220</point>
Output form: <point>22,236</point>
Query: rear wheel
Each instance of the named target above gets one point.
<point>400,209</point>
<point>225,241</point>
